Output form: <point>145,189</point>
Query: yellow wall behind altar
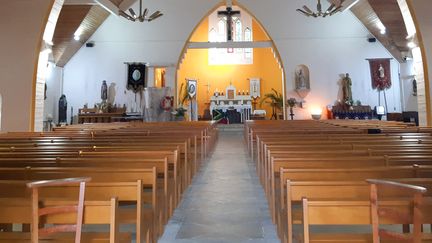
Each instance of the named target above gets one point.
<point>195,66</point>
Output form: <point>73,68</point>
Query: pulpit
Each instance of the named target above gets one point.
<point>235,108</point>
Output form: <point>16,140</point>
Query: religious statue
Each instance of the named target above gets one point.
<point>104,91</point>
<point>301,80</point>
<point>62,109</point>
<point>381,71</point>
<point>346,90</point>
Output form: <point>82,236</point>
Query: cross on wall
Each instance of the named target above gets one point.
<point>229,13</point>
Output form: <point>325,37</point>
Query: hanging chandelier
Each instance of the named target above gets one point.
<point>142,15</point>
<point>332,9</point>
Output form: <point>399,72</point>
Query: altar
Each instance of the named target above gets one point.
<point>234,107</point>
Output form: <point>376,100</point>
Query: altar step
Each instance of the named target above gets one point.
<point>231,127</point>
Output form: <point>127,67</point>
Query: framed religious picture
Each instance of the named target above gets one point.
<point>230,94</point>
<point>136,76</point>
<point>191,88</point>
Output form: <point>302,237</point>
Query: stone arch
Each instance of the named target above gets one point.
<point>420,13</point>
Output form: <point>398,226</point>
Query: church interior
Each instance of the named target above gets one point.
<point>216,121</point>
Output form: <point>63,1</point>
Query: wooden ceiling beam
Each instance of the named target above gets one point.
<point>64,45</point>
<point>391,16</point>
<point>79,2</point>
<point>126,4</point>
<point>366,14</point>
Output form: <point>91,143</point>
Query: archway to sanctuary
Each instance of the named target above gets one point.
<point>232,77</point>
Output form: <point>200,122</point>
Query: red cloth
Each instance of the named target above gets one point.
<point>378,82</point>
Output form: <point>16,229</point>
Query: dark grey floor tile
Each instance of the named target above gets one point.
<point>225,202</point>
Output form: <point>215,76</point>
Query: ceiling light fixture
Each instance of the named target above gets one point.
<point>132,16</point>
<point>411,45</point>
<point>381,27</point>
<point>332,9</point>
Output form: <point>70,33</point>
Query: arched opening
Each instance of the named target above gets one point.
<point>413,23</point>
<point>43,67</point>
<point>227,72</point>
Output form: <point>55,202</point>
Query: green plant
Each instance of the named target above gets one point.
<point>276,99</point>
<point>183,100</point>
<point>180,112</point>
<point>183,95</point>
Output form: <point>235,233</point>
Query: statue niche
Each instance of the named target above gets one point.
<point>302,81</point>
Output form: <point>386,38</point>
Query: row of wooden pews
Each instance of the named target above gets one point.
<point>138,174</point>
<point>345,173</point>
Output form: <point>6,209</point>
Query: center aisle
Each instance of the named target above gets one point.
<point>225,202</point>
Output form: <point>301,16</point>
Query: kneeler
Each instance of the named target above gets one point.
<point>38,211</point>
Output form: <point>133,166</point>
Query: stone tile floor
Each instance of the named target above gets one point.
<point>225,202</point>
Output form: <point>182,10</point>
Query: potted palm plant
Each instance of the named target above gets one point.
<point>275,99</point>
<point>180,111</point>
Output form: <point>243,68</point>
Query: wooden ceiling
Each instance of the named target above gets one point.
<point>387,12</point>
<point>68,22</point>
<point>88,17</point>
<point>390,15</point>
<point>85,17</point>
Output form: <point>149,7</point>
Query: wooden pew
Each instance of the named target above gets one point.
<point>146,178</point>
<point>394,210</point>
<point>19,210</point>
<point>292,193</point>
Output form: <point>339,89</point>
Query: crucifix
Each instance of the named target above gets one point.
<point>229,13</point>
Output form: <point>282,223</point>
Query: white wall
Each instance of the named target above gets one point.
<point>118,40</point>
<point>409,101</point>
<point>54,91</point>
<point>329,47</point>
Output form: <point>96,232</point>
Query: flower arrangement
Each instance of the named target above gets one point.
<point>349,102</point>
<point>291,102</point>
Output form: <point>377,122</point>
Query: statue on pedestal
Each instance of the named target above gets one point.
<point>302,82</point>
<point>346,90</point>
<point>62,109</point>
<point>104,91</point>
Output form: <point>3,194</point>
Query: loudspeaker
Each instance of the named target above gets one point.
<point>372,39</point>
<point>89,44</point>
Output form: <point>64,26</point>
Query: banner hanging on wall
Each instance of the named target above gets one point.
<point>136,76</point>
<point>191,88</point>
<point>380,73</point>
<point>255,87</point>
